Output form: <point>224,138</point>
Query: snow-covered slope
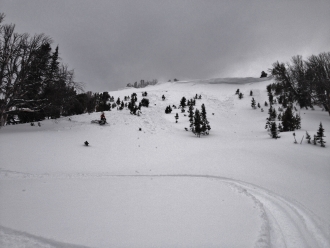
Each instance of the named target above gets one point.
<point>163,186</point>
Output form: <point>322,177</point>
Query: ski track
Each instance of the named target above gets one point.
<point>16,239</point>
<point>285,223</point>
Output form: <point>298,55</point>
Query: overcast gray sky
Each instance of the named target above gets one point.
<point>112,43</point>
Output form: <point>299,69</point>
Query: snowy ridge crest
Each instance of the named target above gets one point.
<point>229,80</point>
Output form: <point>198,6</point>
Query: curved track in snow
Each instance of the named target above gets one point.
<point>285,223</point>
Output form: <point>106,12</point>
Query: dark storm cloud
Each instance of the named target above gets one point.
<point>112,43</point>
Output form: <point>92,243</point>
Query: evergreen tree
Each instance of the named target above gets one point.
<point>203,113</point>
<point>263,74</point>
<point>258,105</point>
<point>176,117</point>
<point>197,123</point>
<point>308,137</point>
<point>253,103</point>
<point>266,104</point>
<point>268,124</point>
<point>288,122</point>
<point>240,96</point>
<point>205,123</point>
<point>270,98</point>
<point>237,92</point>
<point>273,130</point>
<point>131,105</point>
<point>118,101</point>
<point>54,66</point>
<point>168,109</point>
<point>320,135</point>
<point>183,102</point>
<point>270,113</point>
<point>145,102</point>
<point>251,93</point>
<point>191,115</point>
<point>297,121</point>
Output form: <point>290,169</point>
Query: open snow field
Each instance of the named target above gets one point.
<point>163,186</point>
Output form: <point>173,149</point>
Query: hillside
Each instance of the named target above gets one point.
<point>162,186</point>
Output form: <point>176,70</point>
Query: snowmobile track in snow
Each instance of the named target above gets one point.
<point>285,223</point>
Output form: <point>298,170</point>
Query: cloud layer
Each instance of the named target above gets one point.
<point>112,43</point>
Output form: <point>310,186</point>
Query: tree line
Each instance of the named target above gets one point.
<point>306,82</point>
<point>33,83</point>
<point>143,83</point>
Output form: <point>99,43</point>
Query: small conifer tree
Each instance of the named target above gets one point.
<point>273,132</point>
<point>240,96</point>
<point>197,123</point>
<point>191,115</point>
<point>168,109</point>
<point>270,113</point>
<point>297,121</point>
<point>176,117</point>
<point>263,74</point>
<point>288,120</point>
<point>203,114</point>
<point>183,102</point>
<point>258,105</point>
<point>308,137</point>
<point>266,104</point>
<point>237,92</point>
<point>320,135</point>
<point>205,123</point>
<point>253,103</point>
<point>251,93</point>
<point>268,124</point>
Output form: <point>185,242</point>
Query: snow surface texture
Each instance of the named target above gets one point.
<point>163,186</point>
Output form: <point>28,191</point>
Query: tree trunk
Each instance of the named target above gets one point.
<point>3,119</point>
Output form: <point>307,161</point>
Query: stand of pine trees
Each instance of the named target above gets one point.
<point>143,83</point>
<point>303,81</point>
<point>34,85</point>
<point>198,121</point>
